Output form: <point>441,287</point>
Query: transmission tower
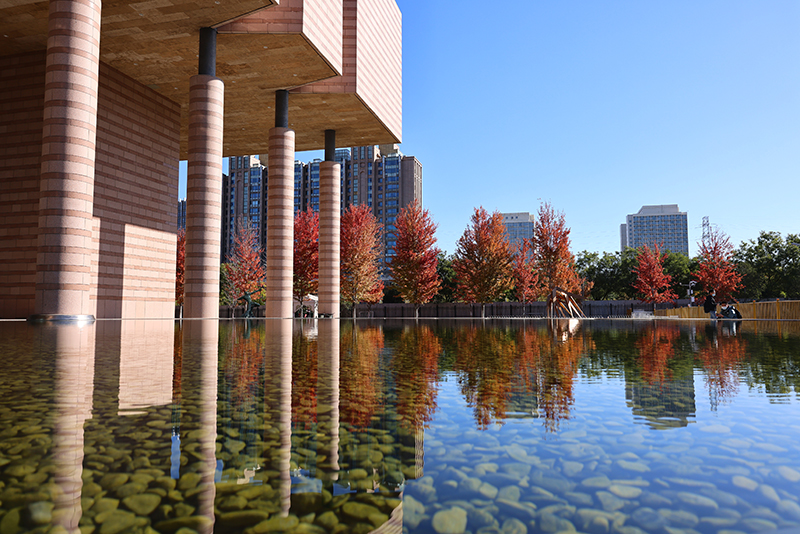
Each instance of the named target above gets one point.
<point>706,229</point>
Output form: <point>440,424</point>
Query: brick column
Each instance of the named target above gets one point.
<point>280,223</point>
<point>329,228</point>
<point>204,197</point>
<point>63,263</point>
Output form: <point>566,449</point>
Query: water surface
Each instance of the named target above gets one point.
<point>460,426</point>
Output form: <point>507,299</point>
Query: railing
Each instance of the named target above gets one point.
<point>771,310</point>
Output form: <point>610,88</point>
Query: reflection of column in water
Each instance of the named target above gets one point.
<point>278,333</point>
<point>73,347</point>
<point>328,397</point>
<point>199,388</point>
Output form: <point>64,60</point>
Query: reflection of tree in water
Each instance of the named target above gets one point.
<point>304,381</point>
<point>558,365</point>
<point>361,387</point>
<point>485,365</point>
<point>655,348</point>
<point>416,368</point>
<point>241,362</point>
<point>721,356</point>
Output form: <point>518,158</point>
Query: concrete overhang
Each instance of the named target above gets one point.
<point>342,60</point>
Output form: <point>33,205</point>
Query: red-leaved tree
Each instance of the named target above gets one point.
<point>482,261</point>
<point>651,280</point>
<point>716,271</point>
<point>306,254</point>
<point>555,264</point>
<point>416,256</point>
<point>526,280</point>
<point>244,270</point>
<point>360,257</point>
<point>180,267</point>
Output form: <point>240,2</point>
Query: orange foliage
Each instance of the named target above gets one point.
<point>555,264</point>
<point>482,261</point>
<point>361,250</point>
<point>716,271</point>
<point>416,256</point>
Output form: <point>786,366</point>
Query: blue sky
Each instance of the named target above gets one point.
<point>602,107</point>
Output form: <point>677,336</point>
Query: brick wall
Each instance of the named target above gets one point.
<point>136,192</point>
<point>21,119</point>
<point>135,198</point>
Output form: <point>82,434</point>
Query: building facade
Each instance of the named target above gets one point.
<point>87,205</point>
<point>519,226</point>
<point>378,176</point>
<point>663,225</point>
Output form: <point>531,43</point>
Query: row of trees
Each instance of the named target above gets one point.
<point>487,268</point>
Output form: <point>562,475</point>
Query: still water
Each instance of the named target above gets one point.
<point>495,426</point>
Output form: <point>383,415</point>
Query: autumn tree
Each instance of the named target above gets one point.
<point>716,271</point>
<point>306,254</point>
<point>482,261</point>
<point>180,267</point>
<point>526,280</point>
<point>360,257</point>
<point>244,270</point>
<point>414,265</point>
<point>555,264</point>
<point>651,281</point>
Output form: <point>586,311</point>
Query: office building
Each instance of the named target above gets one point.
<point>519,226</point>
<point>378,176</point>
<point>663,225</point>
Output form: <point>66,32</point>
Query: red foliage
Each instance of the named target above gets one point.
<point>415,260</point>
<point>716,271</point>
<point>555,263</point>
<point>180,267</point>
<point>360,256</point>
<point>244,268</point>
<point>482,261</point>
<point>526,280</point>
<point>652,282</point>
<point>306,254</point>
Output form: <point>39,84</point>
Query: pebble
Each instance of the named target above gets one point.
<point>450,521</point>
<point>789,474</point>
<point>697,500</point>
<point>745,483</point>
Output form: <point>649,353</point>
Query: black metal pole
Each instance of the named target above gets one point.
<point>330,145</point>
<point>207,63</point>
<point>282,108</point>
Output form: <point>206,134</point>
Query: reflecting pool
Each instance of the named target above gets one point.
<point>594,426</point>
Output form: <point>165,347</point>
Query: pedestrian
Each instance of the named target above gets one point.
<point>710,305</point>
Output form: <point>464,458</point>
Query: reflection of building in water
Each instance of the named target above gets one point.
<point>662,405</point>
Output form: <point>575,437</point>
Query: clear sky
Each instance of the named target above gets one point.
<point>603,107</point>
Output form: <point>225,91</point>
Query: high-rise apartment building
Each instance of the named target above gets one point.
<point>663,225</point>
<point>378,176</point>
<point>182,214</point>
<point>244,200</point>
<point>519,226</point>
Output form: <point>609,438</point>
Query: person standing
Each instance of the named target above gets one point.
<point>710,305</point>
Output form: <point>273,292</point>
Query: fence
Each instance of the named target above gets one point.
<point>771,310</point>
